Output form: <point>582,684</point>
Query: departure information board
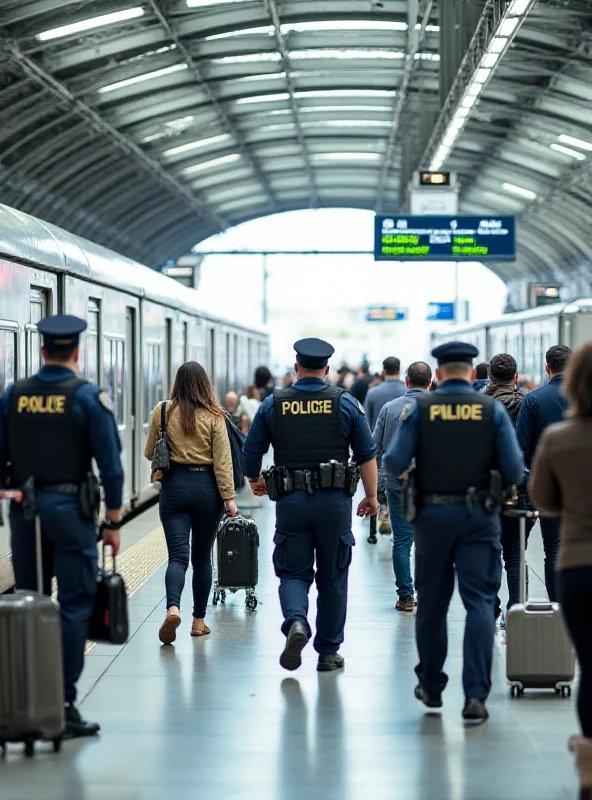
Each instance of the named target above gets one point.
<point>445,239</point>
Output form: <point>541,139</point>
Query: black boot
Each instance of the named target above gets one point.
<point>429,700</point>
<point>475,710</point>
<point>296,641</point>
<point>76,726</point>
<point>330,662</point>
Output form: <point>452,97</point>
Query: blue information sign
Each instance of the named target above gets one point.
<point>445,239</point>
<point>385,314</point>
<point>438,312</point>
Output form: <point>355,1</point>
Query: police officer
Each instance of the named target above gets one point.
<point>458,437</point>
<point>51,427</point>
<point>311,425</point>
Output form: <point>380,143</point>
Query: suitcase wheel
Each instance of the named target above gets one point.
<point>563,691</point>
<point>29,747</point>
<point>517,690</point>
<point>251,602</point>
<point>223,596</point>
<point>215,598</point>
<point>57,744</point>
<point>2,749</point>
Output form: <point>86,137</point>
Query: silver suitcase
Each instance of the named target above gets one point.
<point>539,653</point>
<point>31,675</point>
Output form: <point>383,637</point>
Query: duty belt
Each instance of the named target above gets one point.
<point>61,488</point>
<point>450,499</point>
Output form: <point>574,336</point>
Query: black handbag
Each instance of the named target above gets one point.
<point>236,439</point>
<point>161,460</point>
<point>110,619</point>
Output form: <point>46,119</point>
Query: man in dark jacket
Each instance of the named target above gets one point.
<point>503,374</point>
<point>541,408</point>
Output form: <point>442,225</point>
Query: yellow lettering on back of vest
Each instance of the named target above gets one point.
<point>328,407</point>
<point>452,413</point>
<point>303,407</point>
<point>477,412</point>
<point>285,407</point>
<point>435,411</point>
<point>37,404</point>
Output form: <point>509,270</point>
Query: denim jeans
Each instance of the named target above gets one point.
<point>190,503</point>
<point>402,541</point>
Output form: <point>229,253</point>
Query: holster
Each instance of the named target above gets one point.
<point>495,494</point>
<point>352,478</point>
<point>90,497</point>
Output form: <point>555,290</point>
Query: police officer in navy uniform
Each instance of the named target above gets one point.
<point>457,437</point>
<point>51,427</point>
<point>311,425</point>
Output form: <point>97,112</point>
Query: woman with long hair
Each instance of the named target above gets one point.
<point>560,486</point>
<point>194,491</point>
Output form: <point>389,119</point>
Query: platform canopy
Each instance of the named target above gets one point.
<point>148,125</point>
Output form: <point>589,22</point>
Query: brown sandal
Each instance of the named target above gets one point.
<point>168,630</point>
<point>200,631</point>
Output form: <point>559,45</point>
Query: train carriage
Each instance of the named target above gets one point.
<point>141,327</point>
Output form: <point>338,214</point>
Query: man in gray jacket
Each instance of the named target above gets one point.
<point>419,377</point>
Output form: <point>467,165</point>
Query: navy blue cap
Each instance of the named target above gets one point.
<point>455,352</point>
<point>313,353</point>
<point>61,331</point>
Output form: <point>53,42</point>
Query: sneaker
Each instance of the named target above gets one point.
<point>330,662</point>
<point>405,604</point>
<point>475,710</point>
<point>296,641</point>
<point>76,726</point>
<point>384,526</point>
<point>429,700</point>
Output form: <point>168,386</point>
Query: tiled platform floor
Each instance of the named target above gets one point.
<point>217,718</point>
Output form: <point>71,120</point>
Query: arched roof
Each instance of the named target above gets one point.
<point>149,125</point>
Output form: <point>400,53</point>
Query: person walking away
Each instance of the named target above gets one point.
<point>419,376</point>
<point>503,372</point>
<point>359,388</point>
<point>237,416</point>
<point>482,380</point>
<point>52,425</point>
<point>541,408</point>
<point>462,441</point>
<point>195,491</point>
<point>560,486</point>
<point>311,427</point>
<point>391,387</point>
<point>264,382</point>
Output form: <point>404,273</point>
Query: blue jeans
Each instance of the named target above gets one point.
<point>190,509</point>
<point>402,541</point>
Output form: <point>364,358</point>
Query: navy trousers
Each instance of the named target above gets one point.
<point>447,541</point>
<point>308,526</point>
<point>69,553</point>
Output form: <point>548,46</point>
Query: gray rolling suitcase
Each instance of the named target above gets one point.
<point>31,675</point>
<point>539,654</point>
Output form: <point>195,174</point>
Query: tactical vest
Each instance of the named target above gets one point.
<point>44,440</point>
<point>456,443</point>
<point>307,428</point>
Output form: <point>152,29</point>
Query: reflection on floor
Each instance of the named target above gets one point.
<point>216,718</point>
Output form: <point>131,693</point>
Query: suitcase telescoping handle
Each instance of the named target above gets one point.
<point>523,516</point>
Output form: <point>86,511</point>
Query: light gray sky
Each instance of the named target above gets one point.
<point>328,296</point>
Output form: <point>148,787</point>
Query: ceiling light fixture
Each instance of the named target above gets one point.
<point>567,151</point>
<point>147,76</point>
<point>519,190</point>
<point>498,44</point>
<point>581,143</point>
<point>88,24</point>
<point>347,156</point>
<point>186,148</point>
<point>214,162</point>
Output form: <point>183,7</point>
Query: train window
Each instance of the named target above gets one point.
<point>7,358</point>
<point>114,372</point>
<point>38,309</point>
<point>91,353</point>
<point>153,383</point>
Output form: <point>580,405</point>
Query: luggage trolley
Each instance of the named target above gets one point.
<point>235,560</point>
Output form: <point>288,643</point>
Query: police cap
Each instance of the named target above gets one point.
<point>61,331</point>
<point>455,352</point>
<point>313,353</point>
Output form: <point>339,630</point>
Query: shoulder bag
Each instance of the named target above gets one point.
<point>161,460</point>
<point>236,439</point>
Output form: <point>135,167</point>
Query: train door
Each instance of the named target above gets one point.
<point>169,356</point>
<point>129,367</point>
<point>39,307</point>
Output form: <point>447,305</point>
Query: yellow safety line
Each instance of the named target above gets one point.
<point>139,562</point>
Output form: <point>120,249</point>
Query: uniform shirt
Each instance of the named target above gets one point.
<point>376,398</point>
<point>541,408</point>
<point>96,421</point>
<point>386,427</point>
<point>208,445</point>
<point>402,449</point>
<point>353,423</point>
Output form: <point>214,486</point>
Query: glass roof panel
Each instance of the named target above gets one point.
<point>347,55</point>
<point>214,162</point>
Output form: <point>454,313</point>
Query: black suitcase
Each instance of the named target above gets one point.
<point>237,558</point>
<point>110,619</point>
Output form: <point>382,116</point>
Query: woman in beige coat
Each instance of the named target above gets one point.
<point>560,485</point>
